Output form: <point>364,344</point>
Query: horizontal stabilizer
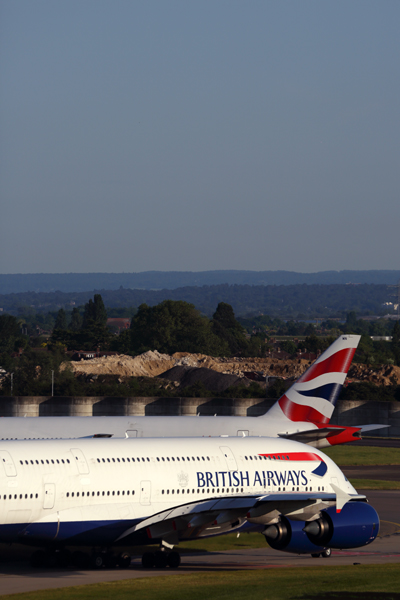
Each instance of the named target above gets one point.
<point>331,435</point>
<point>364,428</point>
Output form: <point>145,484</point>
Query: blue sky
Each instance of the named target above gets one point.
<point>201,135</point>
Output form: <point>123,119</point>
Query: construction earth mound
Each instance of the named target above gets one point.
<point>154,364</point>
<point>184,377</point>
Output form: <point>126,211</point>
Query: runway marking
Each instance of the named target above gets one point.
<point>391,523</point>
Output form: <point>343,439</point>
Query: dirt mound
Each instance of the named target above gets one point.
<point>213,381</point>
<point>382,375</point>
<point>153,363</point>
<point>149,364</point>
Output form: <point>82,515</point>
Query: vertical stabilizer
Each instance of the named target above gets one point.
<point>312,398</point>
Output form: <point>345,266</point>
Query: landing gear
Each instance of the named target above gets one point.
<point>109,560</point>
<point>325,554</point>
<point>161,559</point>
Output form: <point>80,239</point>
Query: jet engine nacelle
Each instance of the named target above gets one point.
<point>356,525</point>
<point>289,536</point>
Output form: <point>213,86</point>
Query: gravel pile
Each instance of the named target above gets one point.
<point>213,381</point>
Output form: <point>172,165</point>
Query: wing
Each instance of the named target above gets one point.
<point>217,516</point>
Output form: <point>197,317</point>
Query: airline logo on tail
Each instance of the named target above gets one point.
<point>312,398</point>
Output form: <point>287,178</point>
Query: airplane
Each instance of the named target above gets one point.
<point>302,413</point>
<point>113,493</point>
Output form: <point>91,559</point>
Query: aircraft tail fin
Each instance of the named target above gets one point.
<point>312,398</point>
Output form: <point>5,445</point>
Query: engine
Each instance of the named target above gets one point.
<point>289,536</point>
<point>356,525</point>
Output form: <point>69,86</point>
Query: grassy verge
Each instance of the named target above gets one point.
<point>358,582</point>
<point>374,484</point>
<point>219,543</point>
<point>346,456</point>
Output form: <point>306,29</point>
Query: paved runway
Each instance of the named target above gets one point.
<point>20,577</point>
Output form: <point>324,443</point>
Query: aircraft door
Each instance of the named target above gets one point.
<point>8,464</point>
<point>145,492</point>
<point>80,461</point>
<point>243,433</point>
<point>49,495</point>
<point>132,433</point>
<point>229,457</point>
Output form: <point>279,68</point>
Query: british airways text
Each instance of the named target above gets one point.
<point>243,478</point>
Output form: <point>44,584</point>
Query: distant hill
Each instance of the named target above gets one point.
<point>170,280</point>
<point>282,300</point>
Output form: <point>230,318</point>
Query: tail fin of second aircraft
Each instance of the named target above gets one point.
<point>312,398</point>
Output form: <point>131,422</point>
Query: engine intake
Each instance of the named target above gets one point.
<point>289,536</point>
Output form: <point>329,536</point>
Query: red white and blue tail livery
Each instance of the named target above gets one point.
<point>312,398</point>
<point>310,402</point>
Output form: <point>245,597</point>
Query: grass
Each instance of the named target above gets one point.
<point>346,456</point>
<point>374,484</point>
<point>219,543</point>
<point>355,582</point>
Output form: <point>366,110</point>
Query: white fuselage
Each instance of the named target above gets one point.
<point>93,491</point>
<point>13,428</point>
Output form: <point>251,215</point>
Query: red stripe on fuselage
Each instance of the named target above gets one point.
<point>337,363</point>
<point>300,412</point>
<point>299,456</point>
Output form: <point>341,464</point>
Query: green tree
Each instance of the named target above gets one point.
<point>61,320</point>
<point>173,326</point>
<point>76,320</point>
<point>396,342</point>
<point>228,329</point>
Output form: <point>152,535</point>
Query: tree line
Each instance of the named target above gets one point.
<point>171,326</point>
<point>284,301</point>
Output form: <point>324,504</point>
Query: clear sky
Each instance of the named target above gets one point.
<point>199,135</point>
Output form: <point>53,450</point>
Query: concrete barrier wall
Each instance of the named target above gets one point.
<point>347,412</point>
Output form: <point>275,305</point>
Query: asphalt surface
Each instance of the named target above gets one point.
<point>16,577</point>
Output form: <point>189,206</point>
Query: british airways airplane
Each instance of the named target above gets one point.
<point>302,413</point>
<point>110,495</point>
